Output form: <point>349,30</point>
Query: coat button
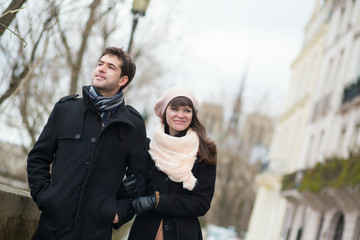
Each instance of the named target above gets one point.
<point>77,136</point>
<point>74,215</point>
<point>87,164</point>
<point>166,227</point>
<point>93,140</point>
<point>79,189</point>
<point>166,179</point>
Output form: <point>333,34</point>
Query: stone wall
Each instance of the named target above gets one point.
<point>13,165</point>
<point>18,214</point>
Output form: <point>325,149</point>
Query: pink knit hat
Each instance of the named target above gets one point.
<point>172,93</point>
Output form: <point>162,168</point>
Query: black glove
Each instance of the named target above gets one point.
<point>144,203</point>
<point>130,186</point>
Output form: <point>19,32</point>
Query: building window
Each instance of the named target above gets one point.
<point>309,157</point>
<point>352,12</point>
<point>338,67</point>
<point>339,228</point>
<point>356,137</point>
<point>357,229</point>
<point>320,228</point>
<point>341,22</point>
<point>341,140</point>
<point>299,233</point>
<point>286,228</point>
<point>330,74</point>
<point>351,91</point>
<point>319,152</point>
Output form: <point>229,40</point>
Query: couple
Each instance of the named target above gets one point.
<point>91,143</point>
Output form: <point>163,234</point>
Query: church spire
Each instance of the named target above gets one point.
<point>237,109</point>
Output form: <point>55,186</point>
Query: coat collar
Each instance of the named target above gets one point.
<point>121,115</point>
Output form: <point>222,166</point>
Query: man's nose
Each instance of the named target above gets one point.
<point>102,68</point>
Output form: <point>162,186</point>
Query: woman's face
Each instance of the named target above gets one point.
<point>178,118</point>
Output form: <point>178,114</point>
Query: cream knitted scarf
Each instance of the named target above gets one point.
<point>175,156</point>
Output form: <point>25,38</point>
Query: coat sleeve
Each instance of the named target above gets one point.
<point>41,155</point>
<point>137,161</point>
<point>194,204</point>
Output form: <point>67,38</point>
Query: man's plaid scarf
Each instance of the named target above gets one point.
<point>107,105</point>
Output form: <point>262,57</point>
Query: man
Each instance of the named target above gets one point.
<point>90,143</point>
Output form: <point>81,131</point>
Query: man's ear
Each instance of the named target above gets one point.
<point>123,81</point>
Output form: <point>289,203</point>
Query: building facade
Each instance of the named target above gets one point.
<point>332,132</point>
<point>308,131</point>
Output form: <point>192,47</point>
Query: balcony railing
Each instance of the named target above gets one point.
<point>333,173</point>
<point>322,106</point>
<point>351,91</point>
<point>335,183</point>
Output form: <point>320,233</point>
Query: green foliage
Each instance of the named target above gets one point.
<point>334,172</point>
<point>288,181</point>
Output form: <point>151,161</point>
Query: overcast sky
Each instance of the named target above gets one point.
<point>211,43</point>
<point>218,39</point>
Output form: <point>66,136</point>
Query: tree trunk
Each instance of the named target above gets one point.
<point>7,19</point>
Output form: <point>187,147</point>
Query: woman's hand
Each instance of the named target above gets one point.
<point>144,204</point>
<point>116,219</point>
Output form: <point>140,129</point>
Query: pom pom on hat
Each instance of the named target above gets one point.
<point>172,93</point>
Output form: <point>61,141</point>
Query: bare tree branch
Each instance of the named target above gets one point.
<point>21,83</point>
<point>17,79</point>
<point>65,43</point>
<point>10,12</point>
<point>85,36</point>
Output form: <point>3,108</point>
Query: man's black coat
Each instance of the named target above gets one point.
<point>84,191</point>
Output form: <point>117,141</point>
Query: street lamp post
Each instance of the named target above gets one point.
<point>138,10</point>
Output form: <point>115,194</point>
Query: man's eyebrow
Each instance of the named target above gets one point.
<point>108,63</point>
<point>113,65</point>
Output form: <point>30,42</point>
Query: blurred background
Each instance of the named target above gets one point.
<point>278,86</point>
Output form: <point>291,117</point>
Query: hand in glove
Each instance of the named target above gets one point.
<point>144,204</point>
<point>130,186</point>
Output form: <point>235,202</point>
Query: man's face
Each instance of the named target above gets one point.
<point>106,76</point>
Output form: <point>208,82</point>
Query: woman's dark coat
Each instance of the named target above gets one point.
<point>178,207</point>
<point>80,198</point>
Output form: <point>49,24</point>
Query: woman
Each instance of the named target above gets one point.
<point>182,171</point>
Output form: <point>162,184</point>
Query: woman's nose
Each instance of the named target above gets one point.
<point>180,114</point>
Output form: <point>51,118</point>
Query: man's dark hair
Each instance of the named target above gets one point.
<point>128,67</point>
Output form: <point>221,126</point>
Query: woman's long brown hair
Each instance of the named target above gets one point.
<point>207,148</point>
